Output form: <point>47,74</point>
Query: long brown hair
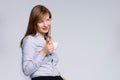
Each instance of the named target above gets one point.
<point>37,13</point>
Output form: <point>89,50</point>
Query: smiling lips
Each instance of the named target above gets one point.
<point>45,28</point>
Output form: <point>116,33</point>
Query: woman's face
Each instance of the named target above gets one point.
<point>43,26</point>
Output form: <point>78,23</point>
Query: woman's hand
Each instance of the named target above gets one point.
<point>64,78</point>
<point>48,49</point>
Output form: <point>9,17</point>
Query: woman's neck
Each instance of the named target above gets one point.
<point>42,35</point>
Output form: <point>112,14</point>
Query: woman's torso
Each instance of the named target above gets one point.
<point>48,67</point>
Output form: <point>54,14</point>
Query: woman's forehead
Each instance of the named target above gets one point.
<point>45,16</point>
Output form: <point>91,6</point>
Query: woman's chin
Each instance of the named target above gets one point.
<point>44,31</point>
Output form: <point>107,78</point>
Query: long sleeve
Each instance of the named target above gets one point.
<point>31,59</point>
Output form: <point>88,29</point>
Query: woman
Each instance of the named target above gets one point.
<point>38,58</point>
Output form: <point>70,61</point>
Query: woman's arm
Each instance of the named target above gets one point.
<point>31,60</point>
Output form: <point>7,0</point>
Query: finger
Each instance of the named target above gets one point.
<point>50,42</point>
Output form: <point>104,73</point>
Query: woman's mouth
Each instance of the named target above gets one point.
<point>45,28</point>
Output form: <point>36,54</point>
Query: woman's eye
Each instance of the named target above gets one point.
<point>40,21</point>
<point>48,19</point>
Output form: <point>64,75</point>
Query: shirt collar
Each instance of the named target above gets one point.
<point>39,36</point>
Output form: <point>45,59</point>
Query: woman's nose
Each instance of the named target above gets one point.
<point>45,23</point>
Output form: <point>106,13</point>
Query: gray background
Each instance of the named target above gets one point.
<point>88,32</point>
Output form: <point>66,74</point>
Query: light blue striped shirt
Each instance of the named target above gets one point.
<point>33,64</point>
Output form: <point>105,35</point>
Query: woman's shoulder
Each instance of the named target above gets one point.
<point>33,40</point>
<point>29,39</point>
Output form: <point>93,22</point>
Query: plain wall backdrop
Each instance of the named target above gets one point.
<point>88,33</point>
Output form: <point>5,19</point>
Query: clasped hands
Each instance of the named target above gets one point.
<point>49,48</point>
